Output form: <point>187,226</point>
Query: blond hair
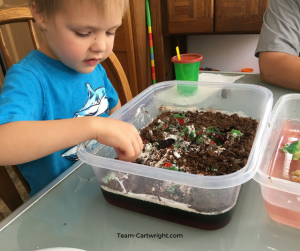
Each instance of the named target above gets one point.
<point>50,7</point>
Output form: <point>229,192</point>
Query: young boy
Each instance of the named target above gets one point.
<point>60,96</point>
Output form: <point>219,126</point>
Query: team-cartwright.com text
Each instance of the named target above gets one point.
<point>150,236</point>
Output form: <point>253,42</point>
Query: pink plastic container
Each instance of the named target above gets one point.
<point>275,168</point>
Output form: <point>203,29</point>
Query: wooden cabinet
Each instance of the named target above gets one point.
<point>184,17</point>
<point>188,16</point>
<point>243,16</point>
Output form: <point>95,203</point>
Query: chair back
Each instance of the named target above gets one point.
<point>8,191</point>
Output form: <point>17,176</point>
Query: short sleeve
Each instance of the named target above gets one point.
<point>111,93</point>
<point>281,28</point>
<point>21,97</point>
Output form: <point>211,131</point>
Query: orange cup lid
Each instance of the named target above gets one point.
<point>247,70</point>
<point>187,58</point>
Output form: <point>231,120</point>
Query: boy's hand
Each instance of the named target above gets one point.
<point>122,136</point>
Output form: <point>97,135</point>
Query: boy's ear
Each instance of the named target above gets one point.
<point>38,16</point>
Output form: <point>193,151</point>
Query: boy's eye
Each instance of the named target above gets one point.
<point>110,33</point>
<point>82,34</point>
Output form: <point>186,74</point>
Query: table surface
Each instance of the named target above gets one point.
<point>72,212</point>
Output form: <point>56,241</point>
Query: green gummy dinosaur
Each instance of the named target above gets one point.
<point>293,148</point>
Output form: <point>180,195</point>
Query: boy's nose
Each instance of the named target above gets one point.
<point>99,45</point>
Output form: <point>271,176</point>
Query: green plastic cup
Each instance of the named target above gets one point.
<point>187,69</point>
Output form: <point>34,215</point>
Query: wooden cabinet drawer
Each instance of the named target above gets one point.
<point>243,16</point>
<point>188,16</point>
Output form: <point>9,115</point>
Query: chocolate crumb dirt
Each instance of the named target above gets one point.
<point>201,143</point>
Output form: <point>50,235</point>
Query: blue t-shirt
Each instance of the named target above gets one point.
<point>40,88</point>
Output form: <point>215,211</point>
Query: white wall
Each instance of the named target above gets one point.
<point>225,52</point>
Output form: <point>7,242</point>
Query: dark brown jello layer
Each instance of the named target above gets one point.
<point>196,220</point>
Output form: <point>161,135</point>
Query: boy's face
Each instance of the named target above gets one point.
<point>79,36</point>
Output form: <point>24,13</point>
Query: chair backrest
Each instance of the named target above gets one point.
<point>8,191</point>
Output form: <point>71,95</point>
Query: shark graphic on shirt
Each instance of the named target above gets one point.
<point>95,105</point>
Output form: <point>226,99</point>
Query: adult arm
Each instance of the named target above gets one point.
<point>280,69</point>
<point>279,44</point>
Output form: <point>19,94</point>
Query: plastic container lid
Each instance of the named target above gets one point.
<point>279,115</point>
<point>143,108</point>
<point>187,58</point>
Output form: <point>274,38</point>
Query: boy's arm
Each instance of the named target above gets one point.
<point>280,69</point>
<point>26,141</point>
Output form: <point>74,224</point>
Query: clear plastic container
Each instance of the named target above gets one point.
<point>204,202</point>
<point>281,195</point>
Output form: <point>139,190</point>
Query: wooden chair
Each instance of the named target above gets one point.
<point>8,191</point>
